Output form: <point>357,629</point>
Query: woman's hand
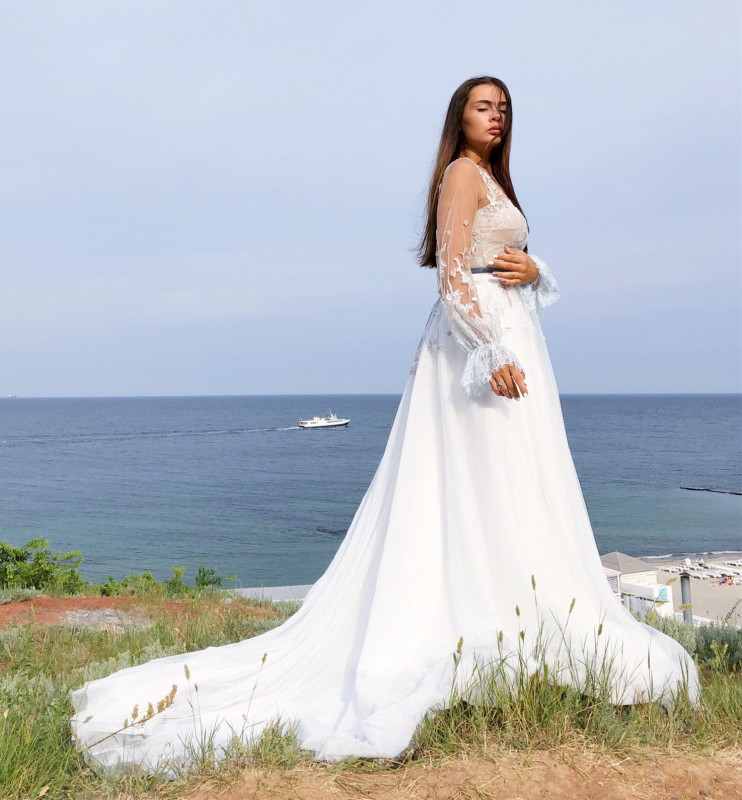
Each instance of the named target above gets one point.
<point>509,382</point>
<point>520,266</point>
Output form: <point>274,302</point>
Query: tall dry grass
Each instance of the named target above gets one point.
<point>516,701</point>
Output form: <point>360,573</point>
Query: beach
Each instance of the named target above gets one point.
<point>709,602</point>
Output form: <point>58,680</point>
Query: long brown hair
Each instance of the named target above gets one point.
<point>448,151</point>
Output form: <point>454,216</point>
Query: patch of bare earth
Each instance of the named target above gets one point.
<point>112,613</point>
<point>45,610</point>
<point>502,776</point>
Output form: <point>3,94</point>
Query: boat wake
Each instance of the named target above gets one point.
<point>124,437</point>
<point>708,489</point>
<point>333,531</point>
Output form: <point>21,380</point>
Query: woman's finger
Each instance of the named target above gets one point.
<point>510,281</point>
<point>498,389</point>
<point>514,256</point>
<point>510,383</point>
<point>510,266</point>
<point>501,261</point>
<point>520,255</point>
<point>501,383</point>
<point>520,380</point>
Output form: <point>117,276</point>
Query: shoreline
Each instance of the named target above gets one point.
<point>670,558</point>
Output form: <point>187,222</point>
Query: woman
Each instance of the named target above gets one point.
<point>472,539</point>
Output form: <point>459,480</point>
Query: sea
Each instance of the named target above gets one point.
<point>233,483</point>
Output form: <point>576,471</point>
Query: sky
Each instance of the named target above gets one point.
<point>225,196</point>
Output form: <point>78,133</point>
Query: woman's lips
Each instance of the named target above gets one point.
<point>495,130</point>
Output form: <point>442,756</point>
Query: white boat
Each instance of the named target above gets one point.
<point>330,421</point>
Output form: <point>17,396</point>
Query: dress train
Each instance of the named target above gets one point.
<point>472,540</point>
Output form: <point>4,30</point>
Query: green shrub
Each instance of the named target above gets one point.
<point>176,586</point>
<point>682,632</point>
<point>715,646</point>
<point>207,578</point>
<point>17,595</point>
<point>142,583</point>
<point>33,566</point>
<point>719,647</point>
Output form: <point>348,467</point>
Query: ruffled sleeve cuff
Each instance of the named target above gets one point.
<point>543,291</point>
<point>481,363</point>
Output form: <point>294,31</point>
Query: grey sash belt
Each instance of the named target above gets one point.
<point>488,269</point>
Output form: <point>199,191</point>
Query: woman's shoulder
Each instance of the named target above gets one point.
<point>463,173</point>
<point>463,167</point>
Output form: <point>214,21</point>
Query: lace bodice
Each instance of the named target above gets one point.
<point>497,225</point>
<point>468,236</point>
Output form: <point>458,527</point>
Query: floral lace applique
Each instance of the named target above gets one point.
<point>458,204</point>
<point>466,237</point>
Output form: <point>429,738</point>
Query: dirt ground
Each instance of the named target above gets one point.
<point>113,613</point>
<point>45,610</point>
<point>573,776</point>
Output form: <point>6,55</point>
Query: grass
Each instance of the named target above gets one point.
<point>535,712</point>
<point>39,666</point>
<point>503,706</point>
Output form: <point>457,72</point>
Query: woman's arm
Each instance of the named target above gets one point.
<point>457,204</point>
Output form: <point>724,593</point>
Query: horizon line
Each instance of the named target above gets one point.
<point>338,394</point>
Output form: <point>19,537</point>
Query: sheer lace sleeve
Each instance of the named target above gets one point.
<point>543,291</point>
<point>457,204</point>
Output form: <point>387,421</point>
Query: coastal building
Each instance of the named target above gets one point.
<point>635,583</point>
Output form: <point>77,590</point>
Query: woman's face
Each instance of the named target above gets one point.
<point>484,118</point>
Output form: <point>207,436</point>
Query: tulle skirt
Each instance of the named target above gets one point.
<point>470,555</point>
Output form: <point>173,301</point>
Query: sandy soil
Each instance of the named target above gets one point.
<point>568,776</point>
<point>709,601</point>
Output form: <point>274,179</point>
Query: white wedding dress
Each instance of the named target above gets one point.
<point>475,501</point>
